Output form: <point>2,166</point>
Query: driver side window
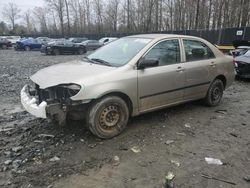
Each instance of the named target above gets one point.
<point>166,52</point>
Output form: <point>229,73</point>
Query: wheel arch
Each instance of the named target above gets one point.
<point>223,79</point>
<point>123,96</point>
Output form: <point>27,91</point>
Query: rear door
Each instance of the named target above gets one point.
<point>200,67</point>
<point>164,84</point>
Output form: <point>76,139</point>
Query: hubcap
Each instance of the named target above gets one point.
<point>109,117</point>
<point>216,94</point>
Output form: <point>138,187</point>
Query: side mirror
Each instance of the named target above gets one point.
<point>143,63</point>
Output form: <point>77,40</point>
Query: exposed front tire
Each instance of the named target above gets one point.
<point>214,93</point>
<point>108,117</point>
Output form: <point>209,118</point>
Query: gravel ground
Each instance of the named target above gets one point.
<point>35,153</point>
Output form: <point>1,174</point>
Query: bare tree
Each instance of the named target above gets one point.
<point>108,16</point>
<point>58,6</point>
<point>27,16</point>
<point>11,12</point>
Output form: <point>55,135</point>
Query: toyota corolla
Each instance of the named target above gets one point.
<point>128,77</point>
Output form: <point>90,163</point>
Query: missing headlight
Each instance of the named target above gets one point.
<point>59,93</point>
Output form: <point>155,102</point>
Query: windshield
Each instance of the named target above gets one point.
<point>121,51</point>
<point>247,53</point>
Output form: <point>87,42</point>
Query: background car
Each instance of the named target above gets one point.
<point>28,44</point>
<point>13,39</point>
<point>107,40</point>
<point>239,50</point>
<point>242,65</point>
<point>5,43</point>
<point>44,40</point>
<point>78,39</point>
<point>91,44</point>
<point>64,46</point>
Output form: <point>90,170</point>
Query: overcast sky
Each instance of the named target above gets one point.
<point>22,4</point>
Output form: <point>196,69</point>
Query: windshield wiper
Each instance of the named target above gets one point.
<point>89,60</point>
<point>101,61</point>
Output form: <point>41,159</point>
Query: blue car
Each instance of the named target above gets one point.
<point>28,44</point>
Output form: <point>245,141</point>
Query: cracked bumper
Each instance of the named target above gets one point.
<point>30,105</point>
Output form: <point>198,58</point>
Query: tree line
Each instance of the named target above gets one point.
<point>78,17</point>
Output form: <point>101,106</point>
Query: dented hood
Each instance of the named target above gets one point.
<point>65,73</point>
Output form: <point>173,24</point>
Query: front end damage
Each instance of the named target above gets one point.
<point>54,102</point>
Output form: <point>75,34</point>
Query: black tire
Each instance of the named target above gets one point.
<point>4,46</point>
<point>214,93</point>
<point>27,48</point>
<point>108,117</point>
<point>80,51</point>
<point>56,52</point>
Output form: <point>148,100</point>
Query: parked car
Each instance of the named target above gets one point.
<point>13,39</point>
<point>44,40</point>
<point>240,50</point>
<point>128,77</point>
<point>242,65</point>
<point>5,43</point>
<point>78,39</point>
<point>107,40</point>
<point>63,47</point>
<point>91,44</point>
<point>28,44</point>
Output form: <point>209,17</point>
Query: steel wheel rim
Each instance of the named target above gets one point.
<point>110,117</point>
<point>216,94</point>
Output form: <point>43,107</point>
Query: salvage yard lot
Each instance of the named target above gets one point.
<point>35,153</point>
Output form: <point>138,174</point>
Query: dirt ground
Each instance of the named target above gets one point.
<point>173,140</point>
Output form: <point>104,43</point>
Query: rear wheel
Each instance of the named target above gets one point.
<point>214,93</point>
<point>27,48</point>
<point>108,117</point>
<point>80,51</point>
<point>56,52</point>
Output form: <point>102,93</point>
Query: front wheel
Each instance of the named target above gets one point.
<point>80,51</point>
<point>214,93</point>
<point>27,48</point>
<point>108,117</point>
<point>4,46</point>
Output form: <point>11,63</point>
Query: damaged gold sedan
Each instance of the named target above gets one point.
<point>128,77</point>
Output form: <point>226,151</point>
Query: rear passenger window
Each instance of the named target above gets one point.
<point>167,52</point>
<point>196,50</point>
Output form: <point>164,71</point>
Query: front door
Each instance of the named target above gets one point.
<point>162,85</point>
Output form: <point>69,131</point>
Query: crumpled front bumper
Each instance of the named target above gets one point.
<point>30,104</point>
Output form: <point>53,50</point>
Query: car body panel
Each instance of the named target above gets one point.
<point>63,46</point>
<point>33,44</point>
<point>55,75</point>
<point>91,44</point>
<point>242,63</point>
<point>4,42</point>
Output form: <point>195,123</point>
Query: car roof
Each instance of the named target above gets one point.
<point>162,36</point>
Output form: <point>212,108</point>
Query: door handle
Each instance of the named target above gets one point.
<point>180,69</point>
